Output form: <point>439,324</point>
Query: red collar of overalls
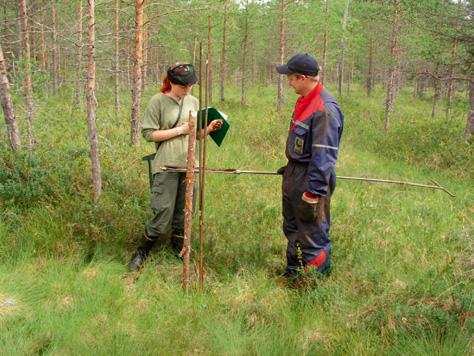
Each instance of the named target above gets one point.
<point>303,102</point>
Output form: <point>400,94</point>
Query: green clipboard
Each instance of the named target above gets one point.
<point>214,114</point>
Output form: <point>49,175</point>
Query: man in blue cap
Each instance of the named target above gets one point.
<point>309,177</point>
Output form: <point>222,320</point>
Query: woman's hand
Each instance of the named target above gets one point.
<point>183,129</point>
<point>214,125</point>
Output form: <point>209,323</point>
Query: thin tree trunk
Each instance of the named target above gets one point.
<point>137,74</point>
<point>325,71</point>
<point>54,49</point>
<point>340,72</point>
<point>145,58</point>
<point>43,42</point>
<point>449,95</point>
<point>117,52</point>
<point>79,85</point>
<point>391,82</point>
<point>188,205</point>
<point>244,57</point>
<point>32,29</point>
<point>91,108</point>
<point>254,64</point>
<point>223,53</point>
<point>280,95</point>
<point>18,24</point>
<point>26,56</point>
<point>437,92</point>
<point>7,106</point>
<point>351,76</point>
<point>370,69</point>
<point>127,61</point>
<point>470,114</point>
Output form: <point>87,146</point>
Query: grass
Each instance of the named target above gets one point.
<point>401,282</point>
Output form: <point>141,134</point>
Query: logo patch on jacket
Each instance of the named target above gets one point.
<point>299,144</point>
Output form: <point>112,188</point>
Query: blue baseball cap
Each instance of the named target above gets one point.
<point>301,63</point>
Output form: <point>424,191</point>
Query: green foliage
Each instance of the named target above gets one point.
<point>401,260</point>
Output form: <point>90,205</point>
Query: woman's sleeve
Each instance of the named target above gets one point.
<point>151,119</point>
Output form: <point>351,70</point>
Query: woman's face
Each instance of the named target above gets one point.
<point>181,90</point>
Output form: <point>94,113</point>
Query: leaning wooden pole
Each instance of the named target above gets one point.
<point>188,205</point>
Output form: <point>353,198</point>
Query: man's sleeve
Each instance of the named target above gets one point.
<point>324,150</point>
<point>151,119</point>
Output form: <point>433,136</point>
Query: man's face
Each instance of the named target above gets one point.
<point>297,82</point>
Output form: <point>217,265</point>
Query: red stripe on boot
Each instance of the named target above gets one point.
<point>318,260</point>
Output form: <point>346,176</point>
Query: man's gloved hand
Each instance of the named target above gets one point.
<point>310,198</point>
<point>281,170</point>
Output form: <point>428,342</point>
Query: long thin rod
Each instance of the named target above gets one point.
<point>376,180</point>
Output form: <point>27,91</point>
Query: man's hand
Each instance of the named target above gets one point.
<point>281,170</point>
<point>310,198</point>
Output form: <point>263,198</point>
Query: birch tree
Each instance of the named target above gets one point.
<point>7,106</point>
<point>91,106</point>
<point>391,80</point>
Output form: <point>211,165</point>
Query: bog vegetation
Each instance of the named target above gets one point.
<point>402,277</point>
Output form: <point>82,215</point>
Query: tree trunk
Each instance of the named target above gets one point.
<point>351,77</point>
<point>32,29</point>
<point>325,71</point>
<point>137,74</point>
<point>370,66</point>
<point>91,107</point>
<point>26,57</point>
<point>449,96</point>
<point>54,49</point>
<point>340,67</point>
<point>391,80</point>
<point>254,64</point>
<point>7,106</point>
<point>244,58</point>
<point>437,92</point>
<point>470,114</point>
<point>280,95</point>
<point>117,51</point>
<point>18,25</point>
<point>223,53</point>
<point>145,58</point>
<point>128,54</point>
<point>79,85</point>
<point>43,42</point>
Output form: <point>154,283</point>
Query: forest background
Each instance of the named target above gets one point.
<point>74,79</point>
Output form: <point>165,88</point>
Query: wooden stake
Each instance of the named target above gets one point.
<point>188,205</point>
<point>201,177</point>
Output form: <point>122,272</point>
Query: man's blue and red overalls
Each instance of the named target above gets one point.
<point>312,149</point>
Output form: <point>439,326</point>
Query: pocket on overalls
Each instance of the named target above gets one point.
<point>301,135</point>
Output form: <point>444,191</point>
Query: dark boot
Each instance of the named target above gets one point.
<point>142,252</point>
<point>177,239</point>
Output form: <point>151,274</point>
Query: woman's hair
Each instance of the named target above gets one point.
<point>166,85</point>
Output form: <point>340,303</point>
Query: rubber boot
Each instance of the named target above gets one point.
<point>177,239</point>
<point>142,252</point>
